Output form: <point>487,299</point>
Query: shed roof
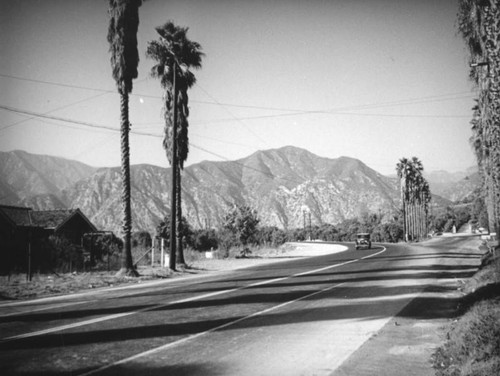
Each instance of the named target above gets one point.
<point>19,216</point>
<point>55,219</point>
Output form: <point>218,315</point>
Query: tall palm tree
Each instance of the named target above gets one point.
<point>417,184</point>
<point>491,10</point>
<point>122,38</point>
<point>426,197</point>
<point>413,196</point>
<point>478,23</point>
<point>175,54</point>
<point>402,169</point>
<point>480,144</point>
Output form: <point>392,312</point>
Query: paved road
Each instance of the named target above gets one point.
<point>301,317</point>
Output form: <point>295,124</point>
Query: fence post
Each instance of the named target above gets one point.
<point>162,252</point>
<point>153,253</point>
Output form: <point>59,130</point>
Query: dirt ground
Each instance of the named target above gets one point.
<point>17,287</point>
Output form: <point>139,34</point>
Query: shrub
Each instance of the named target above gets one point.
<point>204,240</point>
<point>61,255</point>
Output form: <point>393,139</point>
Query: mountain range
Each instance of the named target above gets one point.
<point>281,184</point>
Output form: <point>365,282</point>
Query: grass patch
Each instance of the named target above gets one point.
<point>473,343</point>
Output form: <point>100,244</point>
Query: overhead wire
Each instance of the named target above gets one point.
<point>98,126</point>
<point>290,111</point>
<point>233,116</point>
<point>103,92</point>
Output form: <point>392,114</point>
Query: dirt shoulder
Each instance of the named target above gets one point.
<point>16,287</point>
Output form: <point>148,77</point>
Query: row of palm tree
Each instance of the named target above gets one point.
<point>415,198</point>
<point>478,24</point>
<point>174,56</point>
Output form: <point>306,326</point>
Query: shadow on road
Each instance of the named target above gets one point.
<point>363,291</point>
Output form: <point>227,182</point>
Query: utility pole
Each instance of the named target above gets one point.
<point>174,174</point>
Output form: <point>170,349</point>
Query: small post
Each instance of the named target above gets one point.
<point>153,253</point>
<point>28,277</point>
<point>310,227</point>
<point>162,256</point>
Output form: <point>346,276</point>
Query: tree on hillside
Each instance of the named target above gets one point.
<point>478,23</point>
<point>122,38</point>
<point>175,55</point>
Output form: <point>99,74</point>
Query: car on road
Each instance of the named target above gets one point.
<point>363,241</point>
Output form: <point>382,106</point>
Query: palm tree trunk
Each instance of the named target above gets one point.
<point>180,250</point>
<point>405,219</point>
<point>127,266</point>
<point>173,205</point>
<point>403,202</point>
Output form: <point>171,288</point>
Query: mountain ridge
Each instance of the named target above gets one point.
<point>279,183</point>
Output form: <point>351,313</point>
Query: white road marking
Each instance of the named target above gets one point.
<point>194,336</point>
<point>159,306</point>
<point>20,313</point>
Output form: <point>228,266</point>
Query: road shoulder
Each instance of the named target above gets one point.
<point>406,344</point>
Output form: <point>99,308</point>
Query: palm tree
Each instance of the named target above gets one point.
<point>417,184</point>
<point>480,144</point>
<point>122,38</point>
<point>477,22</point>
<point>426,197</point>
<point>403,168</point>
<point>413,196</point>
<point>175,55</point>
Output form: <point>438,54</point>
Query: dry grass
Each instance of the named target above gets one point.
<point>42,285</point>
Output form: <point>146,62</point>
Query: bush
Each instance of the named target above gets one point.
<point>270,235</point>
<point>228,240</point>
<point>388,233</point>
<point>61,255</point>
<point>102,251</point>
<point>205,240</point>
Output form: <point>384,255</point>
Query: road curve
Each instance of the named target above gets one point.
<point>299,317</point>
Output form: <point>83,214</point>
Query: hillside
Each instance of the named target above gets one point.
<point>25,176</point>
<point>280,184</point>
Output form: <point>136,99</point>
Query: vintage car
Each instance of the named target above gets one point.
<point>363,241</point>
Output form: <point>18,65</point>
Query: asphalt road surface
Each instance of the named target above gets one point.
<point>303,316</point>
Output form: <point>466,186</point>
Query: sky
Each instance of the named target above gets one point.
<point>375,80</point>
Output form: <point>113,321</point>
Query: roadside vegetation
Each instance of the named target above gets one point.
<point>472,347</point>
<point>473,344</point>
<point>240,235</point>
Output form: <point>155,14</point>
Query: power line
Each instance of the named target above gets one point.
<point>233,116</point>
<point>292,112</point>
<point>103,92</point>
<point>337,113</point>
<point>97,126</point>
<point>52,117</point>
<point>54,83</point>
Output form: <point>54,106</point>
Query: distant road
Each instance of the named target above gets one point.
<point>299,317</point>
